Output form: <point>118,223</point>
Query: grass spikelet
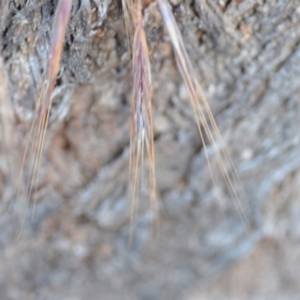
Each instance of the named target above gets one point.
<point>141,137</point>
<point>44,103</point>
<point>202,111</point>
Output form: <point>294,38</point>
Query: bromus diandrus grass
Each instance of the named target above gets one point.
<point>203,115</point>
<point>141,136</point>
<point>43,107</point>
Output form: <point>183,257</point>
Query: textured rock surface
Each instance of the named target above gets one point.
<point>76,244</point>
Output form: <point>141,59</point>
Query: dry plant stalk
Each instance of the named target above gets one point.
<point>202,111</point>
<point>43,106</point>
<point>141,137</point>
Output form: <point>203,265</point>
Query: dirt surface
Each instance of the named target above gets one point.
<point>75,245</point>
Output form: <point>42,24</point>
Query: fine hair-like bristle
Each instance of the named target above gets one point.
<point>202,111</point>
<point>141,139</point>
<point>43,107</point>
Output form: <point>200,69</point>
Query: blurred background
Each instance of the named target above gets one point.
<point>75,245</point>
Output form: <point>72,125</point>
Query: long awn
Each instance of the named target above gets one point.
<point>141,136</point>
<point>44,103</point>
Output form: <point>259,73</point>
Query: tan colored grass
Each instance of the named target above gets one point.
<point>34,147</point>
<point>141,137</point>
<point>203,115</point>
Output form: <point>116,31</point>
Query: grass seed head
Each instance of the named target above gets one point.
<point>203,115</point>
<point>43,106</point>
<point>141,136</point>
<point>141,118</point>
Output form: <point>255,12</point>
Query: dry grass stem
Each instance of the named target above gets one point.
<point>203,114</point>
<point>44,103</point>
<point>141,136</point>
<point>141,139</point>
